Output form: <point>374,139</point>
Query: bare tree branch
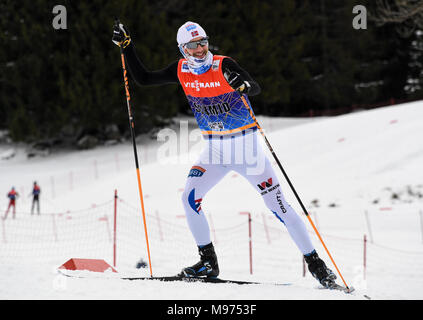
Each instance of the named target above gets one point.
<point>406,14</point>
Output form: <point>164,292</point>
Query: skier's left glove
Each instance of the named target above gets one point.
<point>237,83</point>
<point>121,36</point>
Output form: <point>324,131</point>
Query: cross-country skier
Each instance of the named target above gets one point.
<point>36,190</point>
<point>214,85</point>
<point>12,195</point>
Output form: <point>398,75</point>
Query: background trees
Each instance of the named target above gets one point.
<point>61,84</point>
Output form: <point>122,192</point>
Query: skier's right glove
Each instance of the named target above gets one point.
<point>121,36</point>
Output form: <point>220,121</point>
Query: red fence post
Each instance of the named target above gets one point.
<point>250,239</point>
<point>364,257</point>
<point>54,227</point>
<point>159,225</point>
<point>212,228</point>
<point>265,227</point>
<point>114,229</point>
<point>369,227</point>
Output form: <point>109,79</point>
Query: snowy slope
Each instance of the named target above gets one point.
<point>357,174</point>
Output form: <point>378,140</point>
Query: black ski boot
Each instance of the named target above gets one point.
<point>206,267</point>
<point>318,269</point>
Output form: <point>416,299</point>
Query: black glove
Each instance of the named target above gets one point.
<point>236,82</point>
<point>121,36</point>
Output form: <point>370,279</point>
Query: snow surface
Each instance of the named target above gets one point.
<point>358,174</point>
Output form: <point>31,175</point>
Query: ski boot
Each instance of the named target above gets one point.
<point>318,269</point>
<point>206,267</point>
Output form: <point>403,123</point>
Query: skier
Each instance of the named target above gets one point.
<point>216,88</point>
<point>12,195</point>
<point>36,190</point>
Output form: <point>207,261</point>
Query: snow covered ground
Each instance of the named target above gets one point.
<point>358,174</point>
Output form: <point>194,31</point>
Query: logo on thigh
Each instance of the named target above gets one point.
<point>196,171</point>
<point>267,186</point>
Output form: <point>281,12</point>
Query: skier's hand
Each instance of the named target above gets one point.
<point>121,36</point>
<point>236,82</point>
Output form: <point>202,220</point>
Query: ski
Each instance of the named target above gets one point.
<point>204,280</point>
<point>349,290</point>
<point>336,286</point>
<point>181,278</point>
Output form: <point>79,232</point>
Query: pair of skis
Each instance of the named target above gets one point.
<point>200,279</point>
<point>334,286</point>
<point>211,280</point>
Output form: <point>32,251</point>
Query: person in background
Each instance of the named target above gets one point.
<point>12,195</point>
<point>36,190</point>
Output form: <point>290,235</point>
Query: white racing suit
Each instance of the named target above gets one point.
<point>243,154</point>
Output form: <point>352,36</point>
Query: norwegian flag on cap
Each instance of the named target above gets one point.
<point>188,31</point>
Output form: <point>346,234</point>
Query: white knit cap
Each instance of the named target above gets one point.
<point>188,31</point>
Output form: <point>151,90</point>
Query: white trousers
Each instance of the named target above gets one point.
<point>244,155</point>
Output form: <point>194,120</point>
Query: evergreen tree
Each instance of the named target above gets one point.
<point>304,54</point>
<point>30,64</point>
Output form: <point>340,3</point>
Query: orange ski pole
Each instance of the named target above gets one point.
<point>132,127</point>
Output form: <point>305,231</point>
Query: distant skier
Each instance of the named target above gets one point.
<point>36,190</point>
<point>216,87</point>
<point>12,195</point>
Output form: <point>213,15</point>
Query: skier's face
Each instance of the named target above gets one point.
<point>200,51</point>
